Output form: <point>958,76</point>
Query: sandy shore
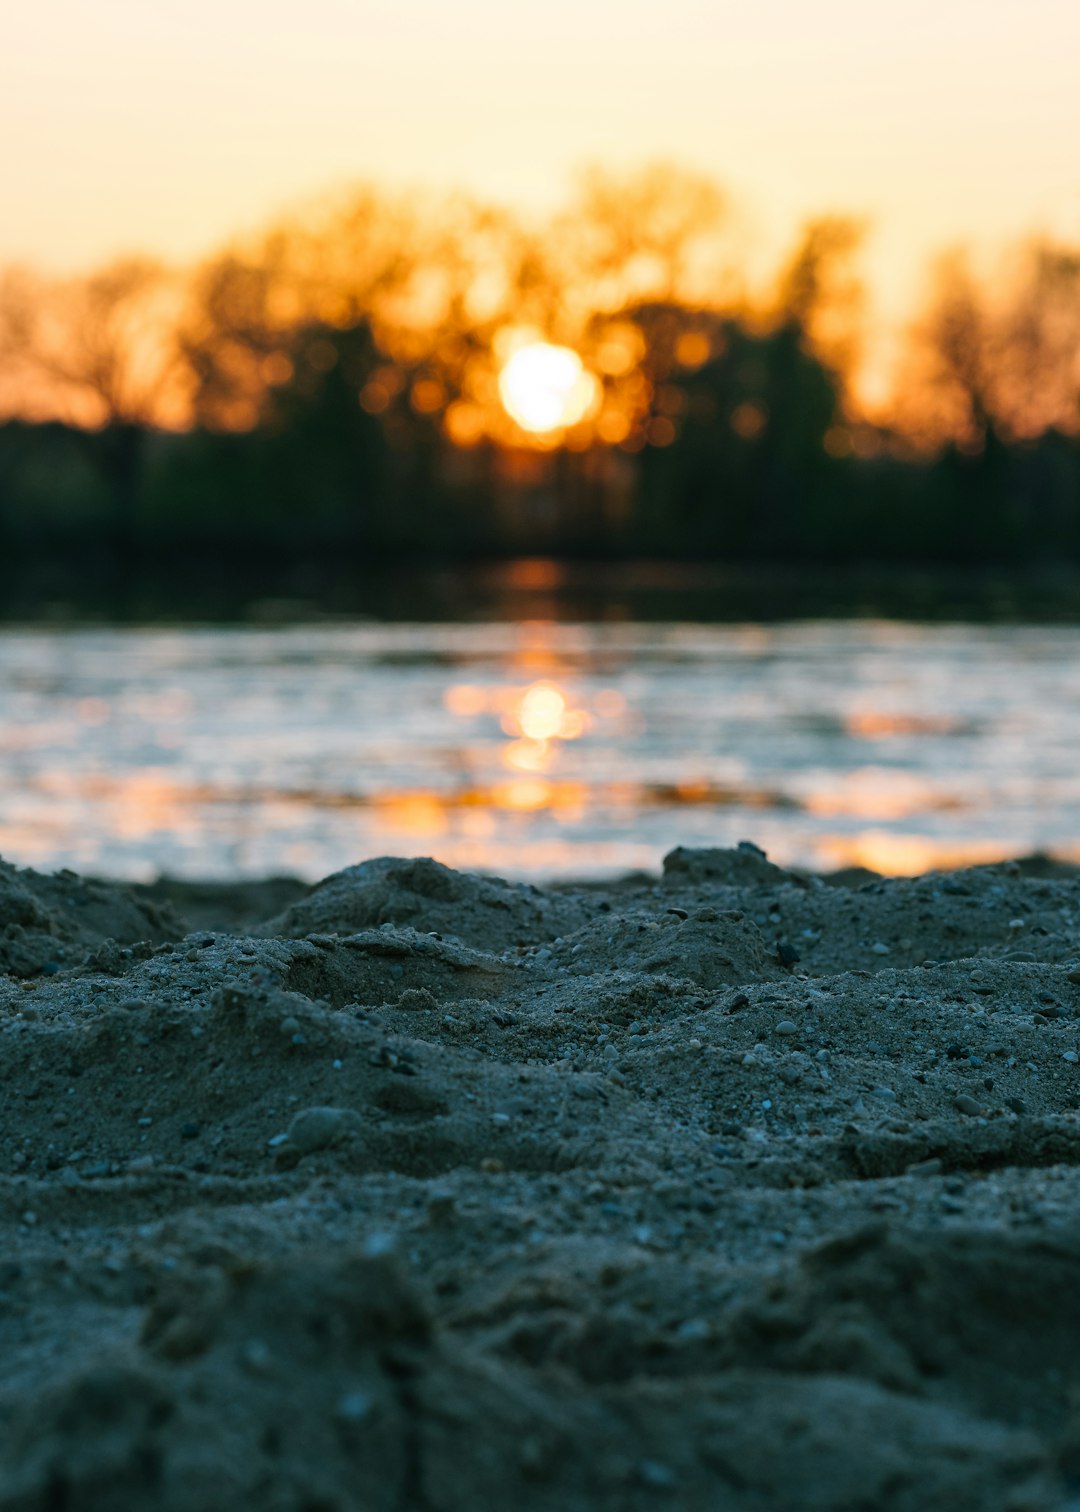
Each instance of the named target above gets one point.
<point>417,1191</point>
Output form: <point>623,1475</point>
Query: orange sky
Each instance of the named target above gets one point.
<point>164,127</point>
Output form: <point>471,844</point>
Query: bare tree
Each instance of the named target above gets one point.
<point>98,352</point>
<point>1037,386</point>
<point>997,357</point>
<point>820,292</point>
<point>643,236</point>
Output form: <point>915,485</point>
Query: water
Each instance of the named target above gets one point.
<point>535,749</point>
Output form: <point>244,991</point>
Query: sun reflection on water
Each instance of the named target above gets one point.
<point>503,746</point>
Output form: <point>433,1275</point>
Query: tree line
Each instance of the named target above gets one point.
<point>331,387</point>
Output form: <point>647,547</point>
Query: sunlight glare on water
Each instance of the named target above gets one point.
<point>535,749</point>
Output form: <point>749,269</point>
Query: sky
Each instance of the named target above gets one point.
<point>165,127</point>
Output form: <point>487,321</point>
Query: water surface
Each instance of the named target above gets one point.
<point>535,749</point>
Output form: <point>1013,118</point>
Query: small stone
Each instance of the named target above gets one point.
<point>692,1330</point>
<point>786,1029</point>
<point>255,1356</point>
<point>1071,1056</point>
<point>318,1128</point>
<point>656,1475</point>
<point>965,1104</point>
<point>353,1407</point>
<point>932,1167</point>
<point>886,1094</point>
<point>1015,1105</point>
<point>879,947</point>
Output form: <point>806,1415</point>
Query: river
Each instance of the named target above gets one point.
<point>535,749</point>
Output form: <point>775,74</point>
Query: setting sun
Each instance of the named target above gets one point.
<point>546,388</point>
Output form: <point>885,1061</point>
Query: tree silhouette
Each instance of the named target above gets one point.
<point>100,352</point>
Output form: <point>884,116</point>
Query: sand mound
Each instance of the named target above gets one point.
<point>49,922</point>
<point>481,911</point>
<point>723,1189</point>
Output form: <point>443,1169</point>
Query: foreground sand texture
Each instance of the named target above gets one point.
<point>418,1191</point>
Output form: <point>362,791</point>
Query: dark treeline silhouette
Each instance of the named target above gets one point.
<point>332,393</point>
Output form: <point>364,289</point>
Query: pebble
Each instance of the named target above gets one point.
<point>1071,1056</point>
<point>353,1407</point>
<point>786,1028</point>
<point>692,1330</point>
<point>318,1128</point>
<point>965,1104</point>
<point>256,1357</point>
<point>931,1167</point>
<point>656,1475</point>
<point>879,947</point>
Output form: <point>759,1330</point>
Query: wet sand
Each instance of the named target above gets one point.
<point>728,1189</point>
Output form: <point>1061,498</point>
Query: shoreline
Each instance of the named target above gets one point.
<point>420,1190</point>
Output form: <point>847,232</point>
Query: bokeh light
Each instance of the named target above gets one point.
<point>546,388</point>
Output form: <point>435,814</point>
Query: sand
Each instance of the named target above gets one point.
<point>728,1189</point>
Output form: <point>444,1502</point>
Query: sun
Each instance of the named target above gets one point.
<point>546,388</point>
